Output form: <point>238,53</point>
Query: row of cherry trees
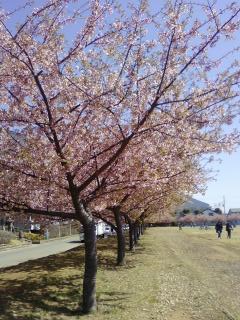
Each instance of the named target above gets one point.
<point>113,113</point>
<point>200,219</point>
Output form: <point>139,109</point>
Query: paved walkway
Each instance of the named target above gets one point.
<point>18,255</point>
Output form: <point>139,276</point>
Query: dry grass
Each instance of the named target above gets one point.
<point>173,275</point>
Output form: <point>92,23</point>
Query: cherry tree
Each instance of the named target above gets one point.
<point>71,109</point>
<point>140,188</point>
<point>233,217</point>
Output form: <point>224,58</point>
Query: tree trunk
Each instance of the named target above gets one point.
<point>135,233</point>
<point>131,236</point>
<point>130,232</point>
<point>138,231</point>
<point>120,237</point>
<point>89,281</point>
<point>142,228</point>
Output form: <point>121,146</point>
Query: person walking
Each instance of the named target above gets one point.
<point>10,224</point>
<point>219,227</point>
<point>229,229</point>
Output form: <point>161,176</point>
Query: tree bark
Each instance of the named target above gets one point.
<point>120,237</point>
<point>130,232</point>
<point>142,228</point>
<point>131,236</point>
<point>135,233</point>
<point>138,230</point>
<point>89,280</point>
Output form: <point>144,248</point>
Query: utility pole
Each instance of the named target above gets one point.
<point>224,205</point>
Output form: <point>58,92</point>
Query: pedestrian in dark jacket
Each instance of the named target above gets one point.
<point>219,227</point>
<point>229,229</point>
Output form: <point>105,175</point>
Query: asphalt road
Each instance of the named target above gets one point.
<point>13,257</point>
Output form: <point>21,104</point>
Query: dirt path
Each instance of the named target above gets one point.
<point>22,254</point>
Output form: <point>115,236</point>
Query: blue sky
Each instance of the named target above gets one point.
<point>227,183</point>
<point>228,175</point>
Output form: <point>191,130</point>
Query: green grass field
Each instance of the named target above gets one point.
<point>173,275</point>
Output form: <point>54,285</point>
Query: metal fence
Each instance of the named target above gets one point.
<point>61,230</point>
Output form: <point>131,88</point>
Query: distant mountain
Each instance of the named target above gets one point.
<point>192,205</point>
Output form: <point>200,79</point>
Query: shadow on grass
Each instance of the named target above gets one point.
<point>107,255</point>
<point>32,298</point>
<point>110,300</point>
<point>52,286</point>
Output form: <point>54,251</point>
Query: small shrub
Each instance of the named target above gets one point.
<point>33,236</point>
<point>6,237</point>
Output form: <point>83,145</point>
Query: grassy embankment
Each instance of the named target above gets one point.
<point>173,275</point>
